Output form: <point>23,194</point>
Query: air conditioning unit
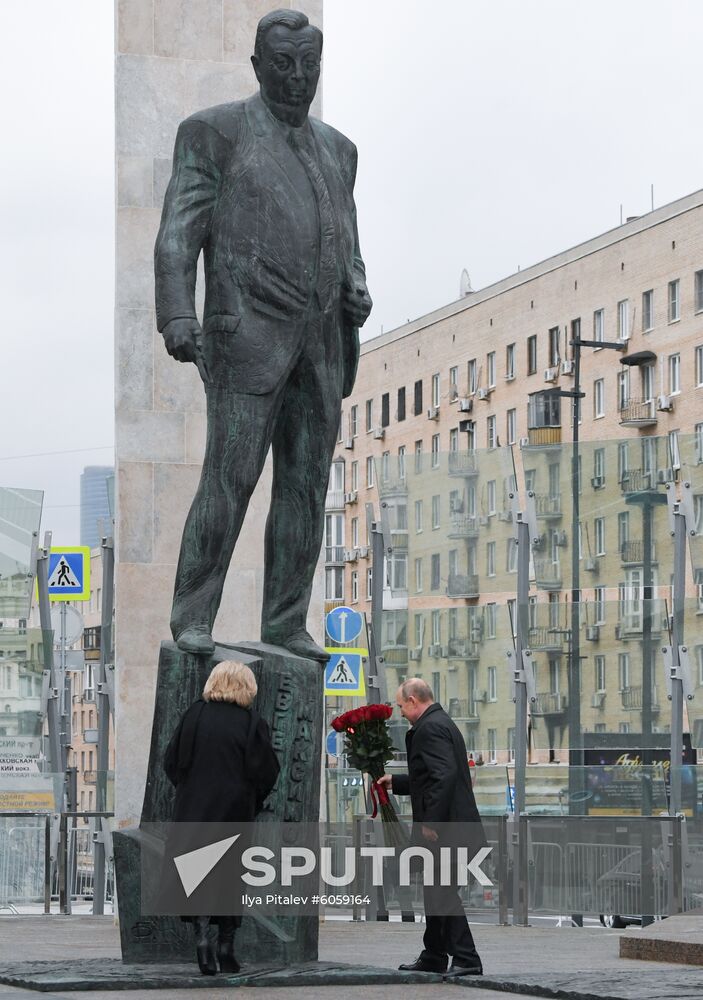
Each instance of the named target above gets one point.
<point>466,405</point>
<point>351,497</point>
<point>415,654</point>
<point>597,482</point>
<point>665,403</point>
<point>590,563</point>
<point>598,699</point>
<point>483,519</point>
<point>567,366</point>
<point>524,442</point>
<point>434,650</point>
<point>453,393</point>
<point>665,476</point>
<point>349,443</point>
<point>505,515</point>
<point>379,433</point>
<point>484,393</point>
<point>433,413</point>
<point>593,632</point>
<point>481,696</point>
<point>350,555</point>
<point>363,551</point>
<point>444,651</point>
<point>550,374</point>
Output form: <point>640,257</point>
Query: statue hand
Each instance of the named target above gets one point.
<point>181,337</point>
<point>356,303</point>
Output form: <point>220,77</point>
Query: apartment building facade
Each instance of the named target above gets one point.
<point>458,412</point>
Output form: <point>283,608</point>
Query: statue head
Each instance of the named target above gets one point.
<point>286,61</point>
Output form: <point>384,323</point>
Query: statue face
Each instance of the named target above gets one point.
<point>289,66</point>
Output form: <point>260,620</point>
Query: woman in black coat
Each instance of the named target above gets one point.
<point>223,765</point>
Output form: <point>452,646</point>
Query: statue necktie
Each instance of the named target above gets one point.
<point>328,229</point>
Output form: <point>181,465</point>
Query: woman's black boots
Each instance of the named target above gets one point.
<point>203,948</point>
<point>225,945</point>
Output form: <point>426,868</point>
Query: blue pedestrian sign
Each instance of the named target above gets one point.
<point>332,744</point>
<point>69,573</point>
<point>344,672</point>
<point>343,625</point>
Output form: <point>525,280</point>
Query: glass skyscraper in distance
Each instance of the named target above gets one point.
<point>95,503</point>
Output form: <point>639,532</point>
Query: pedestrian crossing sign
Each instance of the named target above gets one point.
<point>69,573</point>
<point>344,673</point>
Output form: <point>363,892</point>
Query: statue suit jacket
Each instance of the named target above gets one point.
<point>240,193</point>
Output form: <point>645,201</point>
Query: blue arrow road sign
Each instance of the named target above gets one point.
<point>332,745</point>
<point>344,625</point>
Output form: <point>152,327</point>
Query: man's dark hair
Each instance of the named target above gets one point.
<point>293,19</point>
<point>417,688</point>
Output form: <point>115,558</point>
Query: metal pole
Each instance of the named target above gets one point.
<point>677,682</point>
<point>521,644</point>
<point>52,707</point>
<point>47,864</point>
<point>378,693</point>
<point>103,709</point>
<point>574,677</point>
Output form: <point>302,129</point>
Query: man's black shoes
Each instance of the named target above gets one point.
<point>455,970</point>
<point>423,965</point>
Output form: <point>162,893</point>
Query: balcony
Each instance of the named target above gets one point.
<point>632,699</point>
<point>638,413</point>
<point>399,539</point>
<point>638,481</point>
<point>334,500</point>
<point>462,648</point>
<point>334,554</point>
<point>545,640</point>
<point>463,709</point>
<point>543,437</point>
<point>395,656</point>
<point>548,507</point>
<point>393,486</point>
<point>548,574</point>
<point>632,552</point>
<point>463,463</point>
<point>549,703</point>
<point>463,526</point>
<point>463,585</point>
<point>90,777</point>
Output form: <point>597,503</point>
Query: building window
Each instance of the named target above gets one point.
<point>492,746</point>
<point>369,415</point>
<point>599,325</point>
<point>354,421</point>
<point>674,374</point>
<point>491,369</point>
<point>623,460</point>
<point>435,451</point>
<point>623,528</point>
<point>435,512</point>
<point>472,376</point>
<point>598,468</point>
<point>492,684</point>
<point>369,472</point>
<point>418,576</point>
<point>436,628</point>
<point>624,319</point>
<point>554,347</point>
<point>354,485</point>
<point>674,301</point>
<point>491,620</point>
<point>334,583</point>
<point>435,390</point>
<point>532,354</point>
<point>417,402</point>
<point>510,361</point>
<point>623,388</point>
<point>674,450</point>
<point>647,310</point>
<point>491,433</point>
<point>355,532</point>
<point>511,560</point>
<point>599,606</point>
<point>624,671</point>
<point>369,583</point>
<point>453,382</point>
<point>340,430</point>
<point>490,558</point>
<point>599,663</point>
<point>511,426</point>
<point>454,439</point>
<point>398,570</point>
<point>599,398</point>
<point>355,586</point>
<point>385,466</point>
<point>419,629</point>
<point>434,571</point>
<point>401,403</point>
<point>491,496</point>
<point>698,291</point>
<point>334,537</point>
<point>698,431</point>
<point>699,366</point>
<point>599,535</point>
<point>418,515</point>
<point>385,409</point>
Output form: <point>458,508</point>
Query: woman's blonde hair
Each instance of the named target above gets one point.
<point>231,681</point>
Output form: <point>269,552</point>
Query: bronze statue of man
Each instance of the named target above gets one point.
<point>266,193</point>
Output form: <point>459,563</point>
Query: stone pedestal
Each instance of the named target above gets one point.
<point>290,699</point>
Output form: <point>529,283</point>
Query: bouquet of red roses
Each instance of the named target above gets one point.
<point>368,746</point>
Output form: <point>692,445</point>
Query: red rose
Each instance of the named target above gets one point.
<point>337,725</point>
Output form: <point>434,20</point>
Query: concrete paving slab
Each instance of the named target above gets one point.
<point>677,939</point>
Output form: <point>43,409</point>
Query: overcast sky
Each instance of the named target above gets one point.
<point>490,136</point>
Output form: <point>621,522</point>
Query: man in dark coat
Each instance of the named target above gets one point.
<point>439,785</point>
<point>267,194</point>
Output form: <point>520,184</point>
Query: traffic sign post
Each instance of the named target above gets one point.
<point>344,625</point>
<point>344,673</point>
<point>69,573</point>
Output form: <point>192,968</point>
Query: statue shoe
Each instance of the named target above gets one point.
<point>195,640</point>
<point>226,958</point>
<point>302,644</point>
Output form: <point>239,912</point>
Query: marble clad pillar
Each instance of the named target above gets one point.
<point>173,57</point>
